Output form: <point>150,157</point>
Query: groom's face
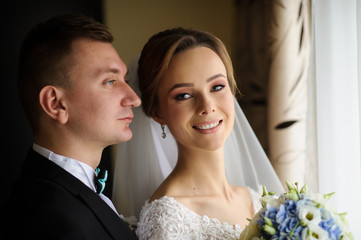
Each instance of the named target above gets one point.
<point>100,98</point>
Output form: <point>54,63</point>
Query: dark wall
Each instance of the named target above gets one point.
<point>17,18</point>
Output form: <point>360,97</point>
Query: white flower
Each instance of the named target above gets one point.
<point>314,232</point>
<point>271,200</point>
<point>316,197</point>
<point>309,214</point>
<point>252,230</point>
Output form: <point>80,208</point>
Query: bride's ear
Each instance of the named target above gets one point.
<point>52,102</point>
<point>158,117</point>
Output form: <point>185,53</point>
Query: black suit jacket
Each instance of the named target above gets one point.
<point>47,202</point>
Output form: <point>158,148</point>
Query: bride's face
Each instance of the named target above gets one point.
<point>195,100</point>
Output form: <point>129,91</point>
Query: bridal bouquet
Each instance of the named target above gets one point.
<point>296,214</point>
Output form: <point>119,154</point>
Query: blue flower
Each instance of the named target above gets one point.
<point>270,213</point>
<point>285,238</point>
<point>334,231</point>
<point>290,227</point>
<point>304,201</point>
<point>291,207</point>
<point>282,214</point>
<point>298,214</point>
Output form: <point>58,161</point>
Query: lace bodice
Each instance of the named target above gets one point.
<point>166,218</point>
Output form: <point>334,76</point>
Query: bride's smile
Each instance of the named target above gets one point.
<point>208,127</point>
<point>195,100</point>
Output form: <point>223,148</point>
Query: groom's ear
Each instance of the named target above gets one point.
<point>52,102</point>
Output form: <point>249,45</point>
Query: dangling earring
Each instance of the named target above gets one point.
<point>163,132</point>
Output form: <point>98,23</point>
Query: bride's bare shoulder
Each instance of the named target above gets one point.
<point>240,189</point>
<point>243,193</point>
<point>166,188</point>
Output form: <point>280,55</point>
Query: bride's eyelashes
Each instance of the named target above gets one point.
<point>182,96</point>
<point>217,88</point>
<point>185,96</point>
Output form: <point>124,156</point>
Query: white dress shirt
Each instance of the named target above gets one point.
<point>82,171</point>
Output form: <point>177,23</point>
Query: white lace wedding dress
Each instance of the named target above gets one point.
<point>166,218</point>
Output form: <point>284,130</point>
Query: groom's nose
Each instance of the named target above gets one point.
<point>130,97</point>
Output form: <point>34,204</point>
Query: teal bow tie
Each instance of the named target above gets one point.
<point>101,178</point>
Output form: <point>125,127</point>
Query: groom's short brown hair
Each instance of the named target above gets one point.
<point>44,57</point>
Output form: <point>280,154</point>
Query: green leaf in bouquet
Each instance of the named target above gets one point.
<point>290,187</point>
<point>265,192</point>
<point>328,196</point>
<point>268,221</point>
<point>304,189</point>
<point>270,230</point>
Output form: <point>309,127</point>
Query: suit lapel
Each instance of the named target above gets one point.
<point>44,168</point>
<point>108,218</point>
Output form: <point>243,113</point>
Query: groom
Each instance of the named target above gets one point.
<point>72,86</point>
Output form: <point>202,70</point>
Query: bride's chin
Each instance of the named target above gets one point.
<point>213,145</point>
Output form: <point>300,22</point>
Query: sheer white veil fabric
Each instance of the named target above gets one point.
<point>142,163</point>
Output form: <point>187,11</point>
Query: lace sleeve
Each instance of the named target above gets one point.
<point>162,219</point>
<point>169,219</point>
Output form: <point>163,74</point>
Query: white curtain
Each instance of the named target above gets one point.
<point>337,49</point>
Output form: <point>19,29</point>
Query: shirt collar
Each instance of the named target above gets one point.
<point>78,169</point>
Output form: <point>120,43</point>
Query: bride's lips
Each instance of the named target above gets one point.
<point>208,127</point>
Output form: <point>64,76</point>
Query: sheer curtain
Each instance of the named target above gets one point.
<point>337,39</point>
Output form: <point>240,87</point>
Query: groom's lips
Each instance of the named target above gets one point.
<point>128,118</point>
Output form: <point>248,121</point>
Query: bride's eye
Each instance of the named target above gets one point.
<point>182,96</point>
<point>217,88</point>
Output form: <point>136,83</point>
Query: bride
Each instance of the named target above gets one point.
<point>186,83</point>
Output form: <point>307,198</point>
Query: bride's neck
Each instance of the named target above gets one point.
<point>203,171</point>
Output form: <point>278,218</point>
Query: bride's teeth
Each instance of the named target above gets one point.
<point>208,126</point>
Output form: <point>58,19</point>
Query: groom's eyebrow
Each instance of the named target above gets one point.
<point>103,71</point>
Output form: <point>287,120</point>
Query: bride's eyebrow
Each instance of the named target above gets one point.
<point>215,77</point>
<point>179,85</point>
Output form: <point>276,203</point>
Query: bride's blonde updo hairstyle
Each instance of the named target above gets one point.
<point>158,53</point>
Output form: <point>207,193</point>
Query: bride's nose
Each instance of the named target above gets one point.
<point>205,105</point>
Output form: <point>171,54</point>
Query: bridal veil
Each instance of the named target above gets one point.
<point>142,163</point>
